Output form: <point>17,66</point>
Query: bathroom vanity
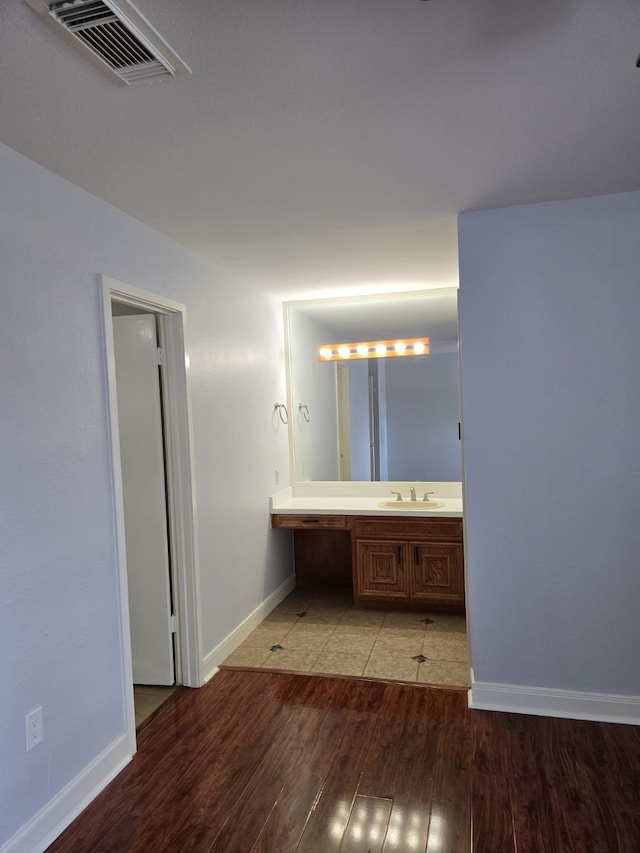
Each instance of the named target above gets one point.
<point>394,558</point>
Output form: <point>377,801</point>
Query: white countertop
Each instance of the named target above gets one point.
<point>286,503</point>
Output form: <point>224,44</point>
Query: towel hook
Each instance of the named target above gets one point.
<point>302,407</point>
<point>278,407</point>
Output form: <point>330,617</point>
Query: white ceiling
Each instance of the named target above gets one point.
<point>325,146</point>
<point>434,314</point>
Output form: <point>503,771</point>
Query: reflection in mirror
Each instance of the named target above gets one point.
<point>375,418</point>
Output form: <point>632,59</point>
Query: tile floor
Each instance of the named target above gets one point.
<point>147,698</point>
<point>322,632</point>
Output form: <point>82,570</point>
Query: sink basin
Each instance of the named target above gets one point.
<point>410,504</point>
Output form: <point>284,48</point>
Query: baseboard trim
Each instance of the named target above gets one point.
<point>215,657</point>
<point>45,826</point>
<point>550,702</point>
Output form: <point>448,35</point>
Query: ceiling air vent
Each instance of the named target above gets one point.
<point>118,35</point>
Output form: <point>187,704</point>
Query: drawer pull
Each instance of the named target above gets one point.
<point>399,554</point>
<point>311,521</point>
<point>415,555</point>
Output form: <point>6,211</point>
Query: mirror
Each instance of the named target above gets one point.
<point>375,418</point>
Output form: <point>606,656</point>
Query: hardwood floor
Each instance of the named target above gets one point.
<point>274,763</point>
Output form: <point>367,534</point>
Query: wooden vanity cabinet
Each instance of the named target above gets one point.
<point>412,563</point>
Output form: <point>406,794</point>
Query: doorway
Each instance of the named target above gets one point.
<point>141,430</point>
<point>160,602</point>
<point>344,429</point>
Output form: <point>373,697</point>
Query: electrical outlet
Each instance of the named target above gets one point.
<point>277,476</point>
<point>33,722</point>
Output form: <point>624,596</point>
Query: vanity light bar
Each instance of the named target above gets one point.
<point>373,349</point>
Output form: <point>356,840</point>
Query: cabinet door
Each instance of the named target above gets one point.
<point>381,570</point>
<point>437,576</point>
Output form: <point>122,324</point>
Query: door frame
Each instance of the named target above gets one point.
<point>181,492</point>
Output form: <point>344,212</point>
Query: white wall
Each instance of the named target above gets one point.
<point>549,315</point>
<point>59,631</point>
<point>313,384</point>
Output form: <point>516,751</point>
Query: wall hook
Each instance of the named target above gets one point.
<point>278,407</point>
<point>302,407</point>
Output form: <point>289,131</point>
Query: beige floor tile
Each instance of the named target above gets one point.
<point>157,690</point>
<point>147,699</point>
<point>404,621</point>
<point>348,629</point>
<point>340,663</point>
<point>407,646</point>
<point>328,606</point>
<point>447,623</point>
<point>144,707</point>
<point>248,656</point>
<point>350,643</point>
<point>391,667</point>
<point>452,647</point>
<point>299,661</point>
<point>268,635</point>
<point>308,641</point>
<point>400,634</point>
<point>304,627</point>
<point>446,673</point>
<point>321,619</point>
<point>363,617</point>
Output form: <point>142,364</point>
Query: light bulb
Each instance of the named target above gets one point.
<point>381,349</point>
<point>363,350</point>
<point>325,352</point>
<point>344,352</point>
<point>418,347</point>
<point>400,347</point>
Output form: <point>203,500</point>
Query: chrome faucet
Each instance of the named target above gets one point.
<point>412,492</point>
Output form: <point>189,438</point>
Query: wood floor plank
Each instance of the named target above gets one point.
<point>302,788</point>
<point>450,821</point>
<point>397,710</point>
<point>367,827</point>
<point>329,817</point>
<point>403,700</point>
<point>621,745</point>
<point>583,819</point>
<point>202,798</point>
<point>409,819</point>
<point>245,823</point>
<point>380,769</point>
<point>456,707</point>
<point>623,800</point>
<point>491,813</point>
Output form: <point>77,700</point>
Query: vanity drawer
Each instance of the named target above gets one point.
<point>309,522</point>
<point>432,529</point>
